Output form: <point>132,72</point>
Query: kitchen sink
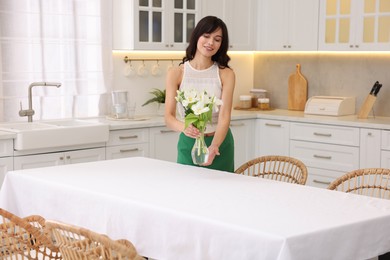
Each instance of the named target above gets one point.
<point>56,133</point>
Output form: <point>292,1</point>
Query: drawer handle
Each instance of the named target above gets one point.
<point>128,137</point>
<point>322,156</point>
<point>321,182</point>
<point>128,150</point>
<point>166,131</point>
<point>270,124</point>
<point>322,134</point>
<point>242,124</point>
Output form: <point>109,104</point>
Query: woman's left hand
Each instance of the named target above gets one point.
<point>213,151</point>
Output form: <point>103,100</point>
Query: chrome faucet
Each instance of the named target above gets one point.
<point>30,111</point>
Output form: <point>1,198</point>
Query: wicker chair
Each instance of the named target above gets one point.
<point>373,182</point>
<point>280,168</point>
<point>24,238</point>
<point>79,243</point>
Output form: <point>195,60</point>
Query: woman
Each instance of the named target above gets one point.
<point>205,67</point>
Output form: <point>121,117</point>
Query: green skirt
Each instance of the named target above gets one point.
<point>223,162</point>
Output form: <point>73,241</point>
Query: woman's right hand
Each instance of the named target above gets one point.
<point>191,131</point>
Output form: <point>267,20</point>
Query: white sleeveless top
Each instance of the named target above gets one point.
<point>202,80</point>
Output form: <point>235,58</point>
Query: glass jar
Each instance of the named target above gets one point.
<point>263,103</point>
<point>245,101</point>
<point>256,94</point>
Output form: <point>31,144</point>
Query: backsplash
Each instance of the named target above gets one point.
<point>328,74</point>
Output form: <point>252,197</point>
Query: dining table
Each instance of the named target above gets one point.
<point>174,211</point>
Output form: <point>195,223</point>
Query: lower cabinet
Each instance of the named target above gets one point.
<point>163,143</point>
<point>385,149</point>
<point>58,158</point>
<point>273,137</point>
<point>244,136</point>
<point>6,158</point>
<point>370,148</point>
<point>128,143</point>
<point>6,164</point>
<point>328,151</point>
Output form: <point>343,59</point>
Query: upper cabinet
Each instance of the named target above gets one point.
<point>287,25</point>
<point>154,24</point>
<point>239,19</point>
<point>354,25</point>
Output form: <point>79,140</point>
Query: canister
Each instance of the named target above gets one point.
<point>263,103</point>
<point>256,94</point>
<point>245,101</point>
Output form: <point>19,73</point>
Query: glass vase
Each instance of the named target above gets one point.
<point>200,152</point>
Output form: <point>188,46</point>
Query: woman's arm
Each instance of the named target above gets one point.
<point>228,79</point>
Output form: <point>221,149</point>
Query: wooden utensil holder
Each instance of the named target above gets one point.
<point>366,107</point>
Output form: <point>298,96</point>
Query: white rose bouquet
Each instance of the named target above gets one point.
<point>198,109</point>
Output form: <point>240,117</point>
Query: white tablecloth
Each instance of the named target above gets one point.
<point>172,211</point>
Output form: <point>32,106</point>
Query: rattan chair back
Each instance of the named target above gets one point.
<point>24,238</point>
<point>279,168</point>
<point>373,182</point>
<point>79,243</point>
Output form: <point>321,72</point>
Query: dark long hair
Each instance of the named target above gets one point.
<point>209,24</point>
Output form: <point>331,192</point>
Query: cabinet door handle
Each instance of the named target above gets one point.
<point>321,182</point>
<point>61,158</point>
<point>322,156</point>
<point>68,157</point>
<point>241,124</point>
<point>270,124</point>
<point>128,137</point>
<point>128,150</point>
<point>322,134</point>
<point>166,131</point>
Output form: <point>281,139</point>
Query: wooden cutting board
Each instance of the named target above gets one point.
<point>297,90</point>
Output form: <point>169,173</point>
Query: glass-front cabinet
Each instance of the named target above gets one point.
<point>354,25</point>
<point>154,24</point>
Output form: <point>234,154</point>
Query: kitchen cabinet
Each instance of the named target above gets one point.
<point>385,149</point>
<point>354,25</point>
<point>6,164</point>
<point>154,25</point>
<point>59,158</point>
<point>243,133</point>
<point>328,151</point>
<point>239,17</point>
<point>272,138</point>
<point>163,143</point>
<point>6,158</point>
<point>287,25</point>
<point>370,148</point>
<point>128,143</point>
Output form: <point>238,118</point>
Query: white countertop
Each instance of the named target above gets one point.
<point>277,114</point>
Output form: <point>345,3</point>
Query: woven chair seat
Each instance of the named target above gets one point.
<point>79,243</point>
<point>24,238</point>
<point>373,182</point>
<point>279,168</point>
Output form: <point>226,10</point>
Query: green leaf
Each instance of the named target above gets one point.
<point>159,96</point>
<point>190,119</point>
